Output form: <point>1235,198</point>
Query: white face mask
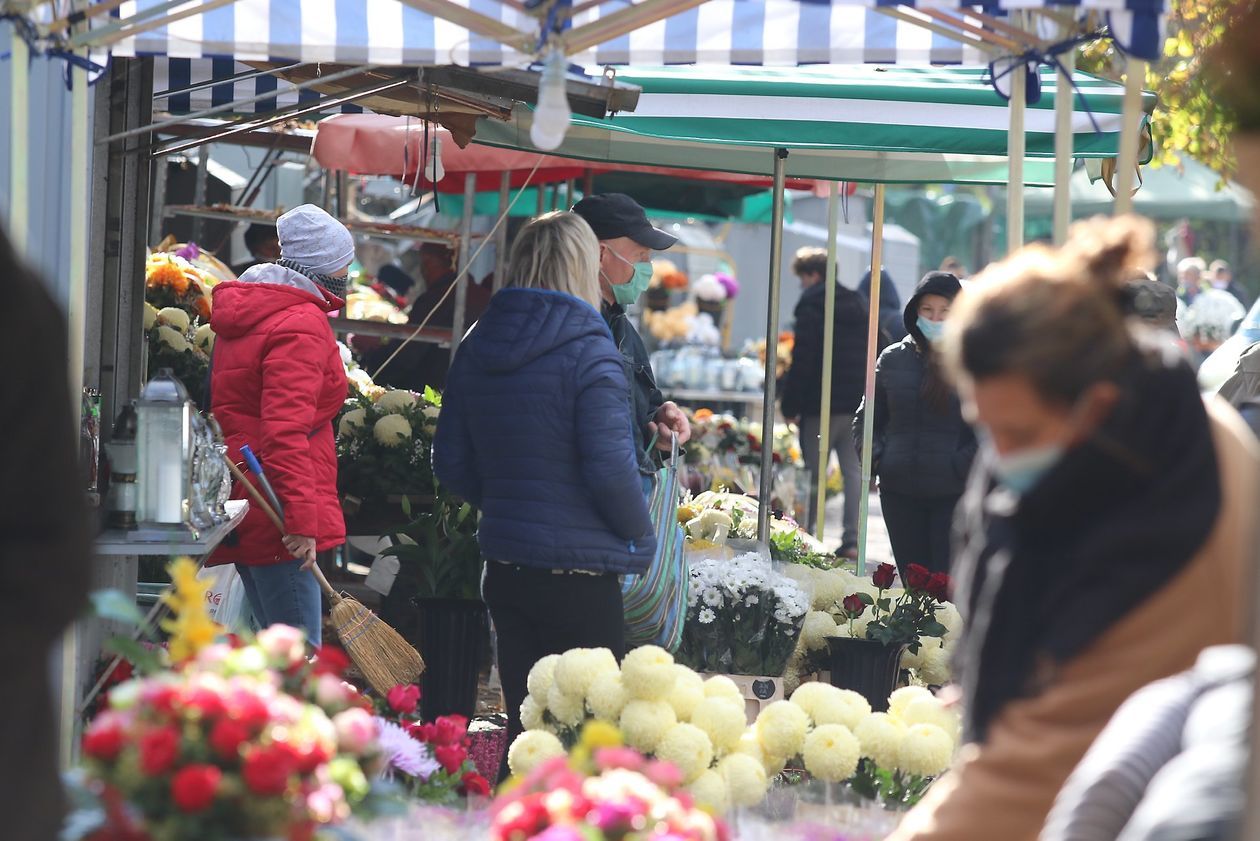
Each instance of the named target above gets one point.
<point>1023,470</point>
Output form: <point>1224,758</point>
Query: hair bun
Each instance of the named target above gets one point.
<point>1111,250</point>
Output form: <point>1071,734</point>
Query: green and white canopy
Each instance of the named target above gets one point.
<point>855,123</point>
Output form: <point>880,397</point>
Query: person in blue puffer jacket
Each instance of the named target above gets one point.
<point>535,432</point>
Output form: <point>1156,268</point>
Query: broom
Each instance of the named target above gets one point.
<point>380,653</point>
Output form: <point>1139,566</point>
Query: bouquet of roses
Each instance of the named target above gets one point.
<point>911,617</point>
<point>430,759</point>
<point>384,444</point>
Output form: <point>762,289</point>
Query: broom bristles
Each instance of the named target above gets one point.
<point>382,655</point>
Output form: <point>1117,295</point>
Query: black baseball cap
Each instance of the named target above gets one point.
<point>613,215</point>
<point>1152,301</point>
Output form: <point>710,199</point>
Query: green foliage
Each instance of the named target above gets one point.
<point>439,547</point>
<point>372,471</point>
<point>191,367</point>
<point>895,789</point>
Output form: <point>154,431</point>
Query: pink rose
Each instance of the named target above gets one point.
<point>356,730</point>
<point>333,693</point>
<point>283,644</point>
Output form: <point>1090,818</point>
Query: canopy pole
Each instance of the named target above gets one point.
<point>872,351</point>
<point>465,244</point>
<point>19,143</point>
<point>1015,147</point>
<point>588,183</point>
<point>500,240</point>
<point>772,351</point>
<point>1126,164</point>
<point>1064,100</point>
<point>829,338</point>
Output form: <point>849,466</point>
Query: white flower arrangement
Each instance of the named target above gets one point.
<point>392,431</point>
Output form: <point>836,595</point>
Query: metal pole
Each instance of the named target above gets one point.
<point>872,349</point>
<point>19,144</point>
<point>158,211</point>
<point>1126,163</point>
<point>1015,148</point>
<point>569,187</point>
<point>199,190</point>
<point>465,244</point>
<point>772,350</point>
<point>501,238</point>
<point>542,198</point>
<point>829,338</point>
<point>1063,148</point>
<point>588,183</point>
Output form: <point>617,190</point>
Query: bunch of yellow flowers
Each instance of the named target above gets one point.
<point>191,629</point>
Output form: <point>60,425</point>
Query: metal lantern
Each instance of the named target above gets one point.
<point>164,440</point>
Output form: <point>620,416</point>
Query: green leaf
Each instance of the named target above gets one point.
<point>885,604</point>
<point>116,606</point>
<point>406,505</point>
<point>932,628</point>
<point>145,660</point>
<point>866,599</point>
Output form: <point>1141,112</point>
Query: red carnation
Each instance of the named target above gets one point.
<point>267,771</point>
<point>917,577</point>
<point>450,757</point>
<point>854,606</point>
<point>403,699</point>
<point>939,586</point>
<point>194,787</point>
<point>104,743</point>
<point>331,660</point>
<point>476,784</point>
<point>164,699</point>
<point>450,729</point>
<point>227,737</point>
<point>158,750</point>
<point>206,702</point>
<point>885,575</point>
<point>249,710</point>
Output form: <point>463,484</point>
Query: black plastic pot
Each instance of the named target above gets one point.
<point>865,666</point>
<point>450,635</point>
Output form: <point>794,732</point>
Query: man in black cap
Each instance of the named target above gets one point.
<point>264,247</point>
<point>626,242</point>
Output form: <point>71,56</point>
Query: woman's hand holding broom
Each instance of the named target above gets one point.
<point>302,548</point>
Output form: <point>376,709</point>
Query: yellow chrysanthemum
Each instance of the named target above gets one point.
<point>831,753</point>
<point>899,700</point>
<point>818,626</point>
<point>880,736</point>
<point>648,673</point>
<point>645,723</point>
<point>600,734</point>
<point>150,316</point>
<point>826,704</point>
<point>687,692</point>
<point>929,710</point>
<point>575,671</point>
<point>351,421</point>
<point>722,721</point>
<point>204,338</point>
<point>781,729</point>
<point>926,750</point>
<point>174,317</point>
<point>392,431</point>
<point>721,686</point>
<point>531,714</point>
<point>541,676</point>
<point>709,791</point>
<point>745,778</point>
<point>395,401</point>
<point>172,338</point>
<point>688,748</point>
<point>567,709</point>
<point>606,697</point>
<point>531,749</point>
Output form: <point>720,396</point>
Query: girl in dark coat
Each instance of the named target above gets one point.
<point>922,446</point>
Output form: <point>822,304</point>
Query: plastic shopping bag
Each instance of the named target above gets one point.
<point>225,598</point>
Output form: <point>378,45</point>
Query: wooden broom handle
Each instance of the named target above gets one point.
<point>257,497</point>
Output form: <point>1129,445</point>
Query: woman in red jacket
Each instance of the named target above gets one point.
<point>278,382</point>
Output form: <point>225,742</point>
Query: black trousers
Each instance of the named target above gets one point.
<point>919,529</point>
<point>536,613</point>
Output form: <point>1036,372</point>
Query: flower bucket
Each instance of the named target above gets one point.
<point>450,635</point>
<point>867,667</point>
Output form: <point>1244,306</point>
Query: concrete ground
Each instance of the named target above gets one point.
<point>878,548</point>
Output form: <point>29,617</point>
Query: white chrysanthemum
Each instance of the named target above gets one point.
<point>395,401</point>
<point>781,729</point>
<point>351,421</point>
<point>392,431</point>
<point>949,616</point>
<point>688,748</point>
<point>431,415</point>
<point>542,676</point>
<point>722,721</point>
<point>648,673</point>
<point>929,710</point>
<point>567,709</point>
<point>826,704</point>
<point>172,338</point>
<point>204,338</point>
<point>531,749</point>
<point>749,746</point>
<point>645,723</point>
<point>532,714</point>
<point>709,791</point>
<point>935,669</point>
<point>347,356</point>
<point>745,778</point>
<point>601,660</point>
<point>687,692</point>
<point>150,316</point>
<point>574,673</point>
<point>606,697</point>
<point>174,317</point>
<point>880,736</point>
<point>899,700</point>
<point>831,753</point>
<point>721,686</point>
<point>818,626</point>
<point>926,750</point>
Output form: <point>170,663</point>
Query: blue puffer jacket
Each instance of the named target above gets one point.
<point>535,432</point>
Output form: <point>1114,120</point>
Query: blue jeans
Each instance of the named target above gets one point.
<point>284,594</point>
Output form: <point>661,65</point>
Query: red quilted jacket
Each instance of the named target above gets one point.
<point>278,382</point>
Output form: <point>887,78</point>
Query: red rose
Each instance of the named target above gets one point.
<point>885,575</point>
<point>249,710</point>
<point>206,702</point>
<point>227,737</point>
<point>267,771</point>
<point>474,783</point>
<point>124,671</point>
<point>331,660</point>
<point>854,606</point>
<point>450,757</point>
<point>310,759</point>
<point>104,743</point>
<point>194,787</point>
<point>158,750</point>
<point>939,586</point>
<point>403,699</point>
<point>917,577</point>
<point>164,699</point>
<point>450,729</point>
<point>426,733</point>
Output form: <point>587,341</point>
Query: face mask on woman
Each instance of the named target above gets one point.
<point>931,330</point>
<point>627,293</point>
<point>1023,470</point>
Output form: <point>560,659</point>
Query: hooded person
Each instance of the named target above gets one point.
<point>923,448</point>
<point>890,324</point>
<point>277,383</point>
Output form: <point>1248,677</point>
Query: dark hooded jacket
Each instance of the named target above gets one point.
<point>919,450</point>
<point>802,384</point>
<point>891,327</point>
<point>536,432</point>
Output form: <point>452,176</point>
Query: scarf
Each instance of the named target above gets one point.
<point>335,285</point>
<point>1040,578</point>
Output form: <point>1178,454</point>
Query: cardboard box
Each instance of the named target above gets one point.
<point>759,691</point>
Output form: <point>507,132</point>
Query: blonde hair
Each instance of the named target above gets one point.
<point>1053,315</point>
<point>557,251</point>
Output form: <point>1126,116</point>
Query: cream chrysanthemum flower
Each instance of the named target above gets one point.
<point>395,401</point>
<point>749,746</point>
<point>817,627</point>
<point>645,723</point>
<point>567,709</point>
<point>781,729</point>
<point>880,736</point>
<point>542,676</point>
<point>351,421</point>
<point>826,704</point>
<point>926,750</point>
<point>929,710</point>
<point>531,749</point>
<point>606,697</point>
<point>688,748</point>
<point>936,667</point>
<point>722,721</point>
<point>150,316</point>
<point>392,431</point>
<point>174,317</point>
<point>687,692</point>
<point>532,714</point>
<point>204,338</point>
<point>648,673</point>
<point>721,686</point>
<point>709,791</point>
<point>831,753</point>
<point>574,672</point>
<point>899,700</point>
<point>745,778</point>
<point>172,338</point>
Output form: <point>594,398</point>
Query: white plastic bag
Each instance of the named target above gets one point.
<point>225,599</point>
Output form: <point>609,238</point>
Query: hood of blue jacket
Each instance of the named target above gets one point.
<point>520,325</point>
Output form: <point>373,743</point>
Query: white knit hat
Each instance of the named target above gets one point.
<point>314,240</point>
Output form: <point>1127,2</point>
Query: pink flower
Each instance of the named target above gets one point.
<point>610,758</point>
<point>283,644</point>
<point>403,699</point>
<point>332,693</point>
<point>664,774</point>
<point>327,804</point>
<point>614,818</point>
<point>558,833</point>
<point>356,730</point>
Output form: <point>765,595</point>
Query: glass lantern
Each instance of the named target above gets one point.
<point>164,443</point>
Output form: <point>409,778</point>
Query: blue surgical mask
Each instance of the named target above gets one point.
<point>627,293</point>
<point>931,330</point>
<point>1021,471</point>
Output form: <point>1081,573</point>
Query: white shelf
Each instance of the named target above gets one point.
<point>114,542</point>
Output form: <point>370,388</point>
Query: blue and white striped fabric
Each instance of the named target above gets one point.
<point>721,32</point>
<point>176,74</point>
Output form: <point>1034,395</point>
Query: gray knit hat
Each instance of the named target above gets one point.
<point>314,240</point>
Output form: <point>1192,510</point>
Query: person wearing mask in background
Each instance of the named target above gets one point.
<point>923,448</point>
<point>1107,498</point>
<point>45,548</point>
<point>954,266</point>
<point>264,247</point>
<point>801,391</point>
<point>626,242</point>
<point>1190,273</point>
<point>536,432</point>
<point>891,327</point>
<point>1221,276</point>
<point>277,382</point>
